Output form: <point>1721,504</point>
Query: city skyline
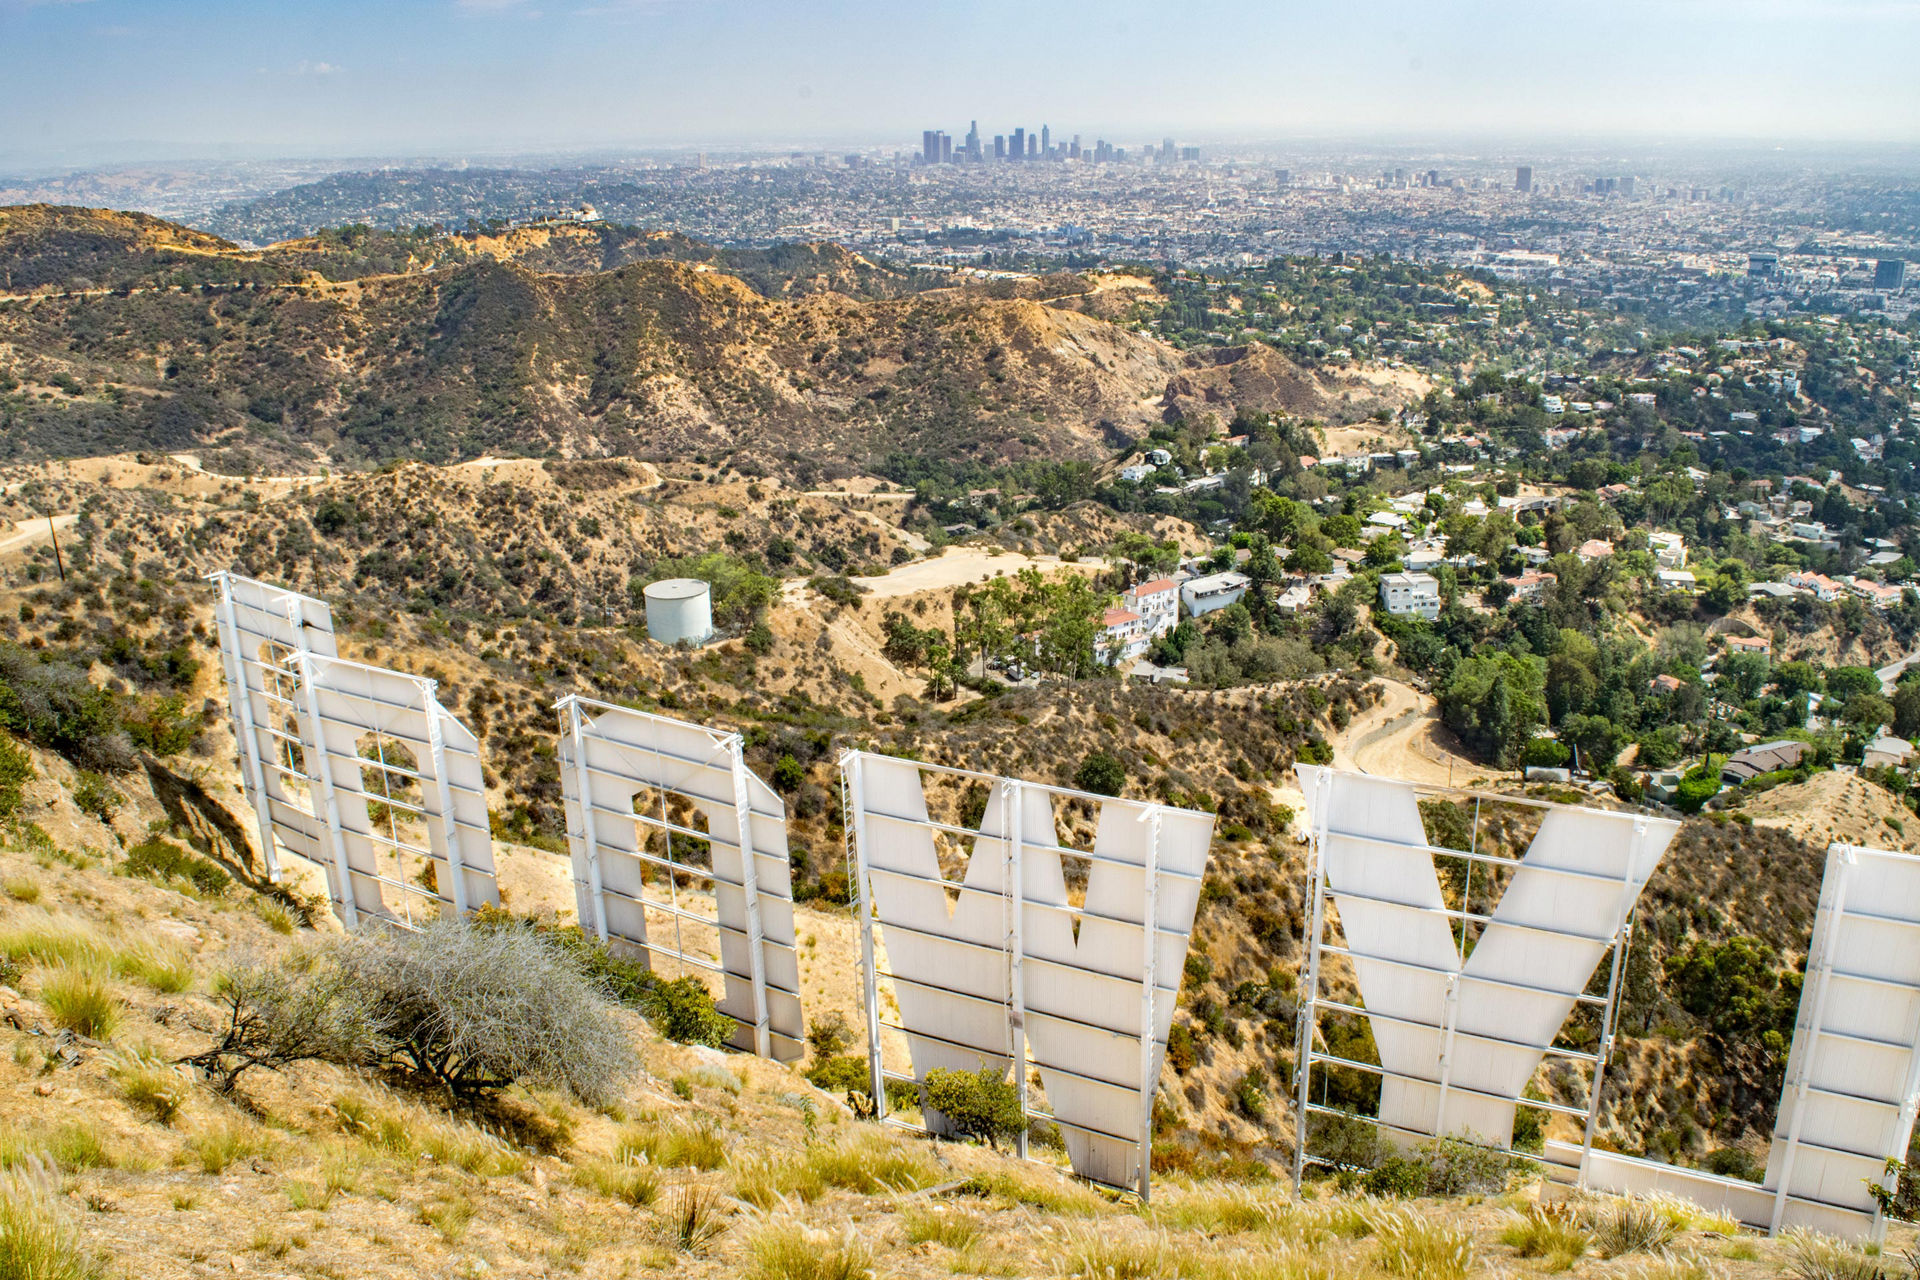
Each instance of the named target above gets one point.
<point>351,77</point>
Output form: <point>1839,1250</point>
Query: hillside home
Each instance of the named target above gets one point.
<point>1750,644</point>
<point>1594,549</point>
<point>1406,594</point>
<point>1202,596</point>
<point>1531,585</point>
<point>1123,637</point>
<point>1886,752</point>
<point>1669,550</point>
<point>1676,580</point>
<point>1763,757</point>
<point>1157,602</point>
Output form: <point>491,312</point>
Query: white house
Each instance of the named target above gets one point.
<point>1886,752</point>
<point>1157,602</point>
<point>1676,580</point>
<point>1410,593</point>
<point>1669,550</point>
<point>1215,591</point>
<point>1293,599</point>
<point>1123,637</point>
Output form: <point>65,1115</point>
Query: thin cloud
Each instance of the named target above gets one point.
<point>305,68</point>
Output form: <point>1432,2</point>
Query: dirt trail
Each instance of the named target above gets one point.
<point>34,529</point>
<point>1398,737</point>
<point>965,565</point>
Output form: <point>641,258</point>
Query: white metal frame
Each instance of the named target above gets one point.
<point>261,627</point>
<point>1852,1084</point>
<point>608,754</point>
<point>307,787</point>
<point>1401,979</point>
<point>1007,1018</point>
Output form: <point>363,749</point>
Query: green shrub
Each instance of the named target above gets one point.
<point>1101,773</point>
<point>93,794</point>
<point>16,771</point>
<point>162,860</point>
<point>683,1010</point>
<point>977,1104</point>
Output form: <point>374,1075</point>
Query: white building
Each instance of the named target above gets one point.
<point>1123,637</point>
<point>1215,591</point>
<point>1669,550</point>
<point>1410,593</point>
<point>1293,599</point>
<point>1157,602</point>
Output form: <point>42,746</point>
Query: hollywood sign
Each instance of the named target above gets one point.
<point>1041,932</point>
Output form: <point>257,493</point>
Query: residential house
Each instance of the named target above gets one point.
<point>1410,594</point>
<point>1886,752</point>
<point>1676,580</point>
<point>1594,549</point>
<point>1123,637</point>
<point>1764,757</point>
<point>1531,586</point>
<point>1823,587</point>
<point>1202,596</point>
<point>1750,644</point>
<point>1157,602</point>
<point>1293,599</point>
<point>1669,550</point>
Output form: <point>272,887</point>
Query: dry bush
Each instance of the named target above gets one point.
<point>632,1182</point>
<point>303,1007</point>
<point>694,1218</point>
<point>764,1181</point>
<point>1812,1256</point>
<point>476,1010</point>
<point>1101,1253</point>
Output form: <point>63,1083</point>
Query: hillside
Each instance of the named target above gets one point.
<point>353,350</point>
<point>711,1165</point>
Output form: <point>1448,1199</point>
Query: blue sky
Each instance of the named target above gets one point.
<point>79,80</point>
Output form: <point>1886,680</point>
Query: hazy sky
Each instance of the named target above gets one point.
<point>82,81</point>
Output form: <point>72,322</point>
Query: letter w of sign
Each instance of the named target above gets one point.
<point>1459,1042</point>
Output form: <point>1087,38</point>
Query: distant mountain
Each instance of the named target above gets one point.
<point>356,347</point>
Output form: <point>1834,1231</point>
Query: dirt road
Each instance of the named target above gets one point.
<point>32,530</point>
<point>964,565</point>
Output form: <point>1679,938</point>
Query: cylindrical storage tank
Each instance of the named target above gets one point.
<point>679,609</point>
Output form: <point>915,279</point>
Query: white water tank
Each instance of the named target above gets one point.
<point>679,609</point>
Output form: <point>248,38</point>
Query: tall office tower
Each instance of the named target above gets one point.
<point>1033,146</point>
<point>1018,151</point>
<point>1433,177</point>
<point>1523,177</point>
<point>973,140</point>
<point>1166,148</point>
<point>1046,142</point>
<point>1626,185</point>
<point>999,146</point>
<point>930,146</point>
<point>946,148</point>
<point>1284,177</point>
<point>1889,274</point>
<point>1073,148</point>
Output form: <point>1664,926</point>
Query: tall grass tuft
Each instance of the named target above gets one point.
<point>1101,1253</point>
<point>871,1165</point>
<point>694,1217</point>
<point>156,1090</point>
<point>51,940</point>
<point>1675,1266</point>
<point>222,1145</point>
<point>632,1182</point>
<point>36,1240</point>
<point>1630,1224</point>
<point>1812,1256</point>
<point>764,1181</point>
<point>1552,1233</point>
<point>788,1251</point>
<point>168,970</point>
<point>1036,1189</point>
<point>954,1228</point>
<point>1409,1244</point>
<point>675,1145</point>
<point>80,1000</point>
